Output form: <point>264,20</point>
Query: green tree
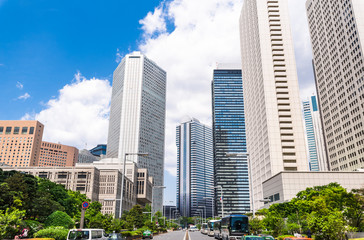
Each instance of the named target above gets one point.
<point>60,219</point>
<point>93,216</point>
<point>10,221</point>
<point>256,225</point>
<point>135,218</point>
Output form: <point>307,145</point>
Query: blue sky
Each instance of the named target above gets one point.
<point>57,58</point>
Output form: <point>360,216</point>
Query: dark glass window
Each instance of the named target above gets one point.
<point>80,188</point>
<point>16,130</point>
<point>43,175</point>
<point>1,130</point>
<point>31,130</point>
<point>8,130</point>
<point>24,130</point>
<point>276,197</point>
<point>82,175</point>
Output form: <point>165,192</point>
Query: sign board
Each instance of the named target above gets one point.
<point>85,205</point>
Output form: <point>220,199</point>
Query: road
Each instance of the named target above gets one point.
<point>180,235</point>
<point>199,236</point>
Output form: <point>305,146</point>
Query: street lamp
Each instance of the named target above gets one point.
<point>250,176</point>
<point>222,199</point>
<point>153,194</point>
<point>212,206</point>
<point>204,208</point>
<point>123,178</point>
<point>164,211</point>
<point>150,215</point>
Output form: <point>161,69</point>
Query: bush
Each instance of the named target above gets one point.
<point>58,233</point>
<point>126,234</point>
<point>33,226</point>
<point>283,236</point>
<point>60,219</point>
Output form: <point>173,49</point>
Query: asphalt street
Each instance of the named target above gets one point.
<point>180,235</point>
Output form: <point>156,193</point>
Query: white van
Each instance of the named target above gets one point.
<point>87,234</point>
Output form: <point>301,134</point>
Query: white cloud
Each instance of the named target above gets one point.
<point>154,23</point>
<point>79,115</point>
<point>119,56</point>
<point>25,96</point>
<point>206,32</point>
<point>19,85</point>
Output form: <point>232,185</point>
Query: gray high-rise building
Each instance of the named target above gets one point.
<point>230,154</point>
<point>274,124</point>
<point>137,117</point>
<point>337,38</point>
<point>194,169</point>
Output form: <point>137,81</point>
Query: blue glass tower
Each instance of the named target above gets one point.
<point>99,150</point>
<point>194,169</point>
<point>317,157</point>
<point>230,152</point>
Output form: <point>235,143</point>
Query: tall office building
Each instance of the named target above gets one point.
<point>337,37</point>
<point>274,125</point>
<point>195,194</point>
<point>20,142</point>
<point>230,155</point>
<point>314,136</point>
<point>137,117</point>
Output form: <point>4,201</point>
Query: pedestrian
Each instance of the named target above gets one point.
<point>309,234</point>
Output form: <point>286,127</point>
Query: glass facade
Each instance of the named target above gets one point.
<point>99,150</point>
<point>310,136</point>
<point>230,153</point>
<point>194,169</point>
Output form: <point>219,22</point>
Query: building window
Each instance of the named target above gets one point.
<point>8,130</point>
<point>82,175</point>
<point>80,188</point>
<point>62,175</point>
<point>31,130</point>
<point>16,130</point>
<point>43,175</point>
<point>1,130</point>
<point>24,130</point>
<point>276,197</point>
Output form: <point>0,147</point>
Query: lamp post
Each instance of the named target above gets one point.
<point>123,179</point>
<point>150,215</point>
<point>201,212</point>
<point>164,212</point>
<point>222,199</point>
<point>212,206</point>
<point>250,176</point>
<point>170,211</point>
<point>153,194</point>
<point>204,211</point>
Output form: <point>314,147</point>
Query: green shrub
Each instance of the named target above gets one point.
<point>283,236</point>
<point>60,219</point>
<point>58,233</point>
<point>33,226</point>
<point>126,234</point>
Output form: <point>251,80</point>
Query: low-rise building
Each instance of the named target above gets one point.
<point>284,186</point>
<point>84,180</point>
<point>57,155</point>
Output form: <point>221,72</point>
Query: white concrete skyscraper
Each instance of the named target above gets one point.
<point>337,37</point>
<point>137,117</point>
<point>273,117</point>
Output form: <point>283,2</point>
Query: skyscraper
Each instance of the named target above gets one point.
<point>337,37</point>
<point>194,169</point>
<point>314,136</point>
<point>230,155</point>
<point>137,117</point>
<point>274,125</point>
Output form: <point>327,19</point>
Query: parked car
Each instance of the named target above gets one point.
<point>116,236</point>
<point>266,237</point>
<point>147,234</point>
<point>87,234</point>
<point>251,237</point>
<point>297,238</point>
<point>193,229</point>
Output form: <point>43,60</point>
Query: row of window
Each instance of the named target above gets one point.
<point>16,130</point>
